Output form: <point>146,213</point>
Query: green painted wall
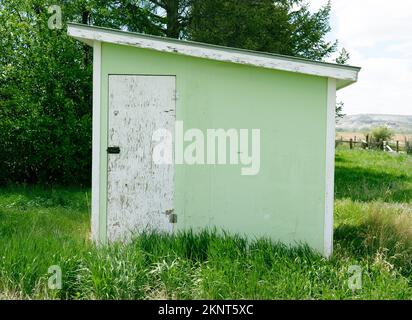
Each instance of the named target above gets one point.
<point>285,201</point>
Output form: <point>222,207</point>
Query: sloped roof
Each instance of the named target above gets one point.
<point>345,75</point>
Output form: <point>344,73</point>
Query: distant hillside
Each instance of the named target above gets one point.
<point>363,122</point>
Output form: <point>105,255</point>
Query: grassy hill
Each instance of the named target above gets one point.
<point>363,122</point>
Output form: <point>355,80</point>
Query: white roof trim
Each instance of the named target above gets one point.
<point>345,75</point>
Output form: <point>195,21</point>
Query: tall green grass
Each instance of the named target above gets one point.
<point>41,227</point>
<point>366,175</point>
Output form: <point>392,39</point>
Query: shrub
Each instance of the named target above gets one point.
<point>381,134</point>
<point>45,104</point>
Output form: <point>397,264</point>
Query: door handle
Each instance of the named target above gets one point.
<point>113,150</point>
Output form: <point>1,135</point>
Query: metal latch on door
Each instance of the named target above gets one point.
<point>113,150</point>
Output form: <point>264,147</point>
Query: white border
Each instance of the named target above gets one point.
<point>330,168</point>
<point>97,59</point>
<point>345,75</point>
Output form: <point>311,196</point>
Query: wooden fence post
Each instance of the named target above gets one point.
<point>351,143</point>
<point>397,146</point>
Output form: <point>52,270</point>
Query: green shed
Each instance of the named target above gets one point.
<point>194,136</point>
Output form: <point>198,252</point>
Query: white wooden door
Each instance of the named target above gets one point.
<point>140,193</point>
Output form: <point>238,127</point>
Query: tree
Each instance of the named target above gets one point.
<point>277,26</point>
<point>381,134</point>
<point>45,86</point>
<point>174,15</point>
<point>46,76</point>
<point>157,17</point>
<point>339,111</point>
<point>343,58</point>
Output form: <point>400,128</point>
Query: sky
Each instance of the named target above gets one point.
<point>378,36</point>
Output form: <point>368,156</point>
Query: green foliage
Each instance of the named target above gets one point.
<point>380,134</point>
<point>45,90</point>
<point>281,26</point>
<point>172,16</point>
<point>343,57</point>
<point>132,15</point>
<point>339,111</point>
<point>46,76</point>
<point>41,227</point>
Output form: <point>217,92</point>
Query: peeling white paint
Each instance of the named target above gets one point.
<point>344,75</point>
<point>140,193</point>
<point>95,224</point>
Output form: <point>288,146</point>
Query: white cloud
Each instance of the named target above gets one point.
<point>378,34</point>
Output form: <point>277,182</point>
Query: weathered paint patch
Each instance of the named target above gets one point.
<point>140,193</point>
<point>344,74</point>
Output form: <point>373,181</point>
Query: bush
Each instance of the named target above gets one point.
<point>381,134</point>
<point>378,135</point>
<point>45,103</point>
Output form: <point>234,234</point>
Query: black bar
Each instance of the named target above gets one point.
<point>113,150</point>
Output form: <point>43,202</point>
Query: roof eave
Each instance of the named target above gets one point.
<point>341,84</point>
<point>345,75</point>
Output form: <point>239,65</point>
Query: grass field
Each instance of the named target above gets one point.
<point>41,227</point>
